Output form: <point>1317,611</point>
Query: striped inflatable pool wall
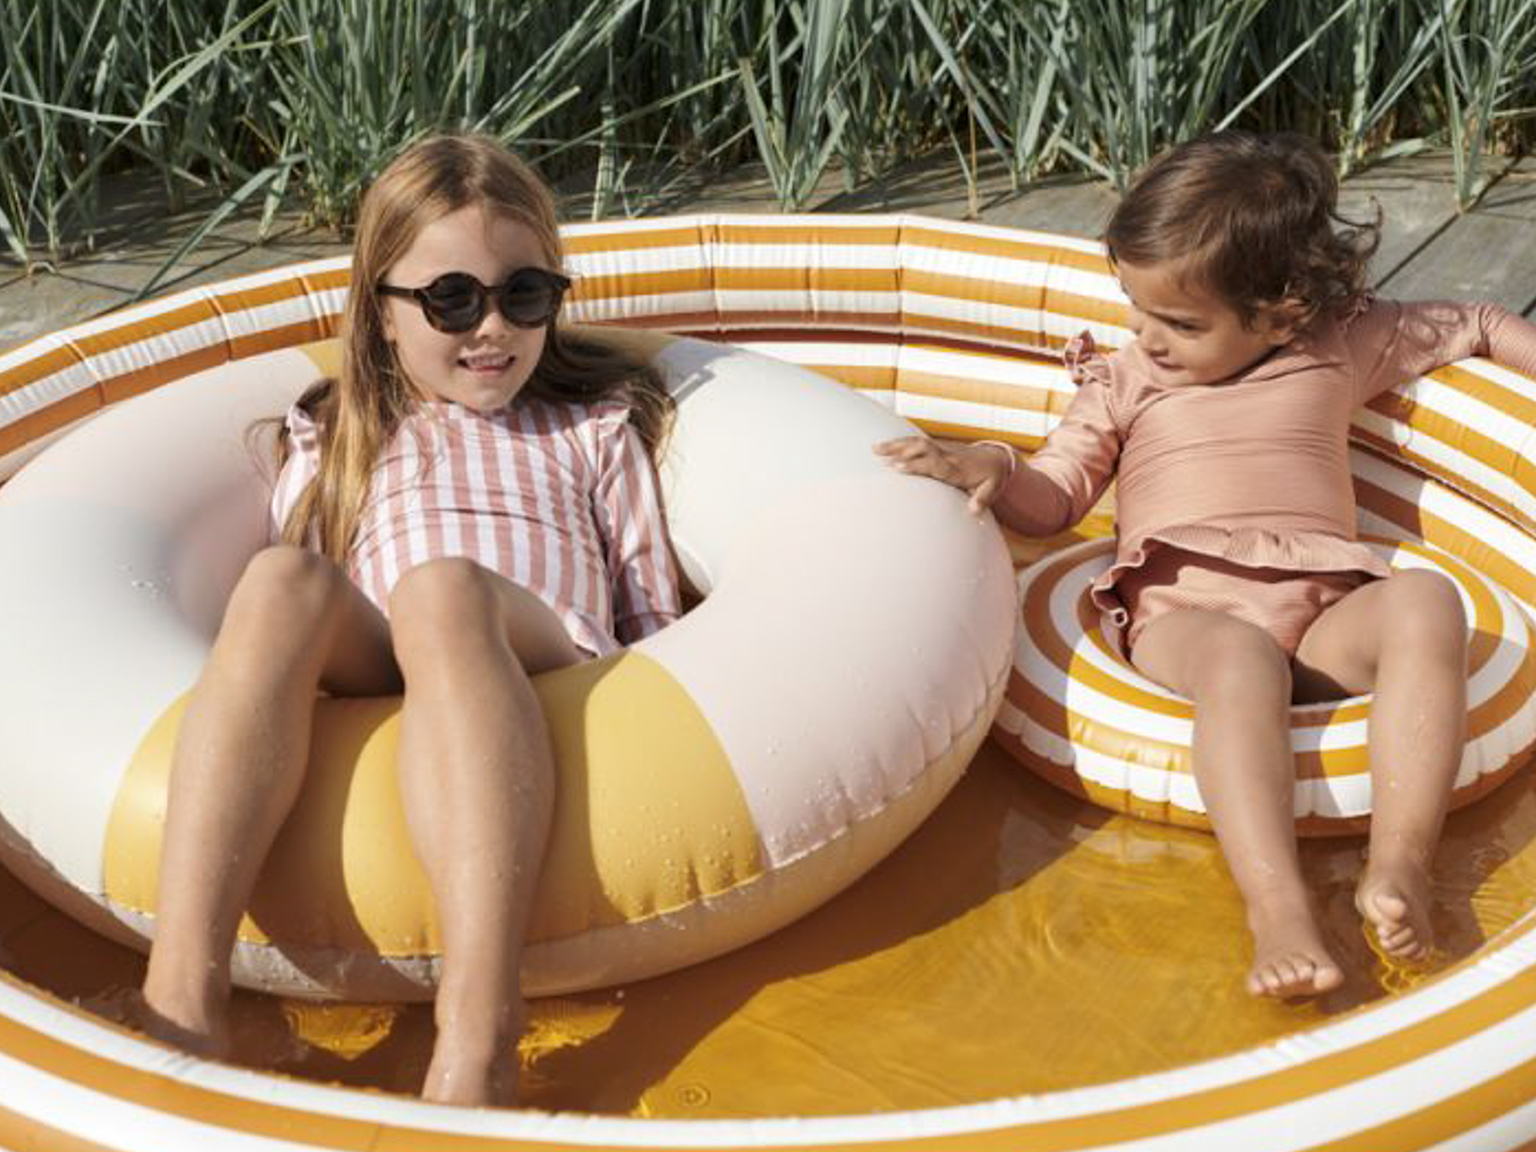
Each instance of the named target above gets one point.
<point>956,326</point>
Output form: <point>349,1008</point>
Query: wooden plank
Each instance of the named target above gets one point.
<point>1487,253</point>
<point>1417,198</point>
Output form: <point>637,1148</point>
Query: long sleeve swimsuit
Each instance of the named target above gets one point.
<point>1248,476</point>
<point>559,498</point>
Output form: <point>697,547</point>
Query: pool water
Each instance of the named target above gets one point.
<point>1020,942</point>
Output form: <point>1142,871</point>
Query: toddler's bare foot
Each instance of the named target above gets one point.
<point>1289,956</point>
<point>1394,899</point>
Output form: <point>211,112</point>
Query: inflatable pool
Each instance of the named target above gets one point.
<point>1026,971</point>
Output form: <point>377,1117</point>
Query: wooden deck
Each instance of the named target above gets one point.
<point>1428,248</point>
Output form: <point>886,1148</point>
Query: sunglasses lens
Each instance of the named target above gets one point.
<point>454,302</point>
<point>531,297</point>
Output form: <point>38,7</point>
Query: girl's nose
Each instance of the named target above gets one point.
<point>493,323</point>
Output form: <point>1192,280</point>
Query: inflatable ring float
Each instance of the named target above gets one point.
<point>715,781</point>
<point>1090,723</point>
<point>953,326</point>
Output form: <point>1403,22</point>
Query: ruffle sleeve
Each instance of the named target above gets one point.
<point>301,467</point>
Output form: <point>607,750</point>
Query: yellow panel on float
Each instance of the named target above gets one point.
<point>343,873</point>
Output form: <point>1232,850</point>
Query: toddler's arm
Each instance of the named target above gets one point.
<point>1039,495</point>
<point>1398,340</point>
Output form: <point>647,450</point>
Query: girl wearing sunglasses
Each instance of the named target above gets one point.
<point>470,502</point>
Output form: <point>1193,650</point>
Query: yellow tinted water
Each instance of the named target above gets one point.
<point>1020,942</point>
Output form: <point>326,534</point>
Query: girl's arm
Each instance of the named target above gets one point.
<point>627,504</point>
<point>1399,340</point>
<point>1039,495</point>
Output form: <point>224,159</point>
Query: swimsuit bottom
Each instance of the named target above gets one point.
<point>1281,601</point>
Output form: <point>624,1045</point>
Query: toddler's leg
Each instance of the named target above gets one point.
<point>293,619</point>
<point>1405,638</point>
<point>1240,682</point>
<point>477,774</point>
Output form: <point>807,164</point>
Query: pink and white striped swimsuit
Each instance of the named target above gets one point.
<point>559,498</point>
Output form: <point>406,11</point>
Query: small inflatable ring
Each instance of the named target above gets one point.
<point>1084,719</point>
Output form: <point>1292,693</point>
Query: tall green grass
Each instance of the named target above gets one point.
<point>272,105</point>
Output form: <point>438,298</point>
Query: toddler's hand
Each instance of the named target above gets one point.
<point>978,470</point>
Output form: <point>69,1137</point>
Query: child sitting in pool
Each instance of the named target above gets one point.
<point>1237,578</point>
<point>469,503</point>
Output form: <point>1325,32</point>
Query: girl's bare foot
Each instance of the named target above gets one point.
<point>190,1027</point>
<point>1289,956</point>
<point>1394,899</point>
<point>474,1066</point>
<point>452,1079</point>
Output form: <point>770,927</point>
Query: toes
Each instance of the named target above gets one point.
<point>1297,974</point>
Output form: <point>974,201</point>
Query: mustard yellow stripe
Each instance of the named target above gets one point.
<point>1007,248</point>
<point>1447,536</point>
<point>1511,401</point>
<point>864,377</point>
<point>1445,1119</point>
<point>984,293</point>
<point>35,425</point>
<point>989,393</point>
<point>625,239</point>
<point>950,430</point>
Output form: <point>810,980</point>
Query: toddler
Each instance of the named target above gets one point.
<point>1237,579</point>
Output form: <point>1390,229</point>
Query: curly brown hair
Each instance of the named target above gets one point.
<point>1251,218</point>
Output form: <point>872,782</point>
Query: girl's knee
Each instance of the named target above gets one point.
<point>300,587</point>
<point>443,601</point>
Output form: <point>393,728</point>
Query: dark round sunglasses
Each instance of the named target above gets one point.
<point>456,302</point>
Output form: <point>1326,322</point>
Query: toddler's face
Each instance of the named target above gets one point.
<point>486,366</point>
<point>1188,335</point>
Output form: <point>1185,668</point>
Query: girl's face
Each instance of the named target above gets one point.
<point>1188,335</point>
<point>486,366</point>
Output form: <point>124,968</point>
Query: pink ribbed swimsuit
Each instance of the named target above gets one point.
<point>1237,496</point>
<point>559,498</point>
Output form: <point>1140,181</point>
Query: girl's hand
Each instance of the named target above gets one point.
<point>978,470</point>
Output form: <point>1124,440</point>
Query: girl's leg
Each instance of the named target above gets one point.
<point>477,776</point>
<point>1240,682</point>
<point>293,622</point>
<point>1405,638</point>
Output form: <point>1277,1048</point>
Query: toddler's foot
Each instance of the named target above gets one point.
<point>1395,900</point>
<point>1289,957</point>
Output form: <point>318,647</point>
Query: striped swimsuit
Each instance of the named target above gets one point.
<point>558,498</point>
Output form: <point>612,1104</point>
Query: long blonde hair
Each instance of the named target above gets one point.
<point>359,411</point>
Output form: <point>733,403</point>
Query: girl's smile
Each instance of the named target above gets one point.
<point>487,366</point>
